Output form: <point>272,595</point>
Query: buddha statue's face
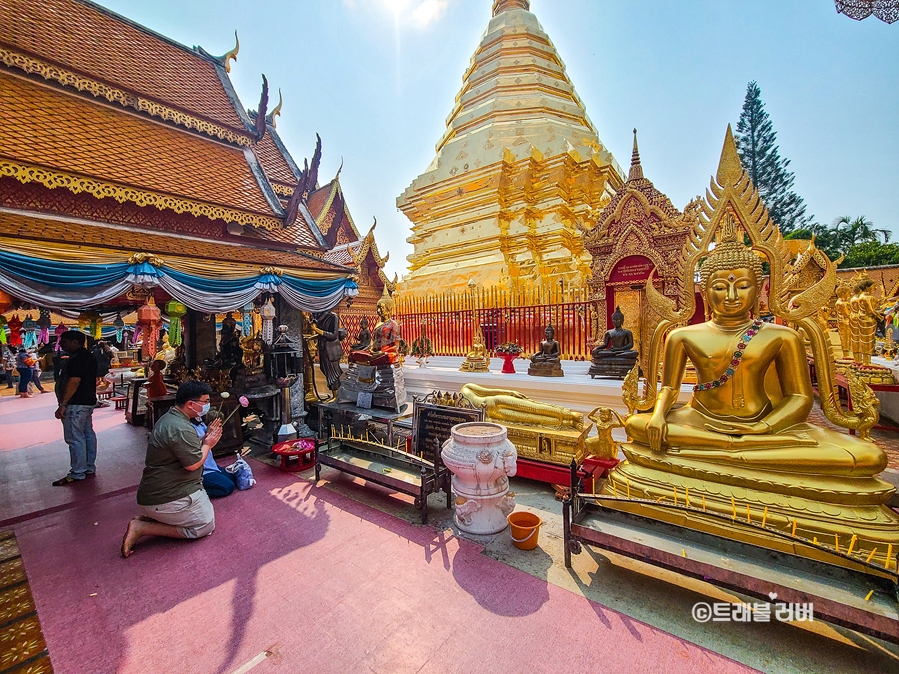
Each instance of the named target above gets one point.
<point>732,293</point>
<point>384,311</point>
<point>843,293</point>
<point>617,322</point>
<point>548,334</point>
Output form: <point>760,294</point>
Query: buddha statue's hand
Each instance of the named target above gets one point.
<point>657,431</point>
<point>737,428</point>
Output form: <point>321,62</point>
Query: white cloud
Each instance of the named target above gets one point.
<point>428,12</point>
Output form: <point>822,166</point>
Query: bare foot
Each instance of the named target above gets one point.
<point>132,534</point>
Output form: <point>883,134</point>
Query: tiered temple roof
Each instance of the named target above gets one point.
<point>108,124</point>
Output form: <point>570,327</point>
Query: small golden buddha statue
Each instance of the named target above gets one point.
<point>385,337</point>
<point>842,310</point>
<point>742,448</point>
<point>477,359</point>
<point>512,407</point>
<point>853,322</point>
<point>547,361</point>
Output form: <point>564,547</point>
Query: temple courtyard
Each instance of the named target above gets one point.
<point>340,577</point>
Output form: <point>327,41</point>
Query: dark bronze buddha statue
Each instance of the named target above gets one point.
<point>616,355</point>
<point>547,361</point>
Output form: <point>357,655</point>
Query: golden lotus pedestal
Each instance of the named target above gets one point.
<point>558,447</point>
<point>833,518</point>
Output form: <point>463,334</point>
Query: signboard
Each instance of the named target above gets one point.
<point>432,424</point>
<point>363,400</point>
<point>632,269</point>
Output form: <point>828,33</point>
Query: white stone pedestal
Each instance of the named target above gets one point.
<point>482,459</point>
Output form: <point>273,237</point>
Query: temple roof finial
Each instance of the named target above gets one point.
<point>500,6</point>
<point>636,171</point>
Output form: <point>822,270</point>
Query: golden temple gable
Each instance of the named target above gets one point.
<point>519,166</point>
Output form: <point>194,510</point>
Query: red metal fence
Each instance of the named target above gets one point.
<point>519,315</point>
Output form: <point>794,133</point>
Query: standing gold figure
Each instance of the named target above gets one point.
<point>842,309</point>
<point>868,316</point>
<point>603,446</point>
<point>853,323</point>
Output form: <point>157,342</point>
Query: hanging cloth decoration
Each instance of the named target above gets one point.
<point>119,326</point>
<point>246,326</point>
<point>15,325</point>
<point>90,322</point>
<point>44,323</point>
<point>175,310</point>
<point>61,328</point>
<point>2,330</point>
<point>268,320</point>
<point>149,315</point>
<point>29,333</point>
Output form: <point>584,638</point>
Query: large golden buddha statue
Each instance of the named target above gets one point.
<point>741,453</point>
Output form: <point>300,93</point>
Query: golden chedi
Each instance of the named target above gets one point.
<point>741,452</point>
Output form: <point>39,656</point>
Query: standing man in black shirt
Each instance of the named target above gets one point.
<point>77,395</point>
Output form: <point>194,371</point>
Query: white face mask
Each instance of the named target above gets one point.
<point>204,410</point>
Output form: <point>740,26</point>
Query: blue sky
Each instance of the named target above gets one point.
<point>377,79</point>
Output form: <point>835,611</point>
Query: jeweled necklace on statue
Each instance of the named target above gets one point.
<point>736,359</point>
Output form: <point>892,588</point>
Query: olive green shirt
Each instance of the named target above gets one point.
<point>173,444</point>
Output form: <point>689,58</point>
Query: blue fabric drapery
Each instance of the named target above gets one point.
<point>72,285</point>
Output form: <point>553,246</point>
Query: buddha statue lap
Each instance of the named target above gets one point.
<point>615,356</point>
<point>547,361</point>
<point>476,360</point>
<point>741,452</point>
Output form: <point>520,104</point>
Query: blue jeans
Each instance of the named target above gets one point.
<point>78,431</point>
<point>24,378</point>
<point>219,484</point>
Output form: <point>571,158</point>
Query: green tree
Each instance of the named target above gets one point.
<point>871,254</point>
<point>853,232</point>
<point>760,156</point>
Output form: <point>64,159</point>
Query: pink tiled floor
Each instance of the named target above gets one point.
<point>33,454</point>
<point>326,585</point>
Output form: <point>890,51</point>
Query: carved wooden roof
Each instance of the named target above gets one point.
<point>82,44</point>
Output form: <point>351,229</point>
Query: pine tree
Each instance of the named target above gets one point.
<point>759,154</point>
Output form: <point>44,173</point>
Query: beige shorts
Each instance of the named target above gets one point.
<point>193,515</point>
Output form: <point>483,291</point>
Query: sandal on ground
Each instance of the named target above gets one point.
<point>64,481</point>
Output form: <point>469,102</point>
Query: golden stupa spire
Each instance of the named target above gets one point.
<point>500,6</point>
<point>636,171</point>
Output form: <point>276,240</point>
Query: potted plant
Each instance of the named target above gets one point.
<point>422,349</point>
<point>508,352</point>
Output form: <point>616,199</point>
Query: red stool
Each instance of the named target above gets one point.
<point>296,455</point>
<point>121,402</point>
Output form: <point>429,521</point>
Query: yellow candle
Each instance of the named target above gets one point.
<point>660,499</point>
<point>852,544</point>
<point>703,503</point>
<point>733,504</point>
<point>765,517</point>
<point>684,551</point>
<point>675,496</point>
<point>868,598</point>
<point>793,533</point>
<point>889,556</point>
<point>836,541</point>
<point>748,517</point>
<point>687,489</point>
<point>871,556</point>
<point>614,490</point>
<point>815,540</point>
<point>628,487</point>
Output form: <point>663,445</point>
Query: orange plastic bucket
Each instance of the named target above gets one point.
<point>525,528</point>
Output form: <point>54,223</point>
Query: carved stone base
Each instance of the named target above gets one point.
<point>617,366</point>
<point>385,383</point>
<point>544,369</point>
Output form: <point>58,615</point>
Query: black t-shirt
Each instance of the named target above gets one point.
<point>80,364</point>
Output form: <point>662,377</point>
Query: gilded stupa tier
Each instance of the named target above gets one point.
<point>519,166</point>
